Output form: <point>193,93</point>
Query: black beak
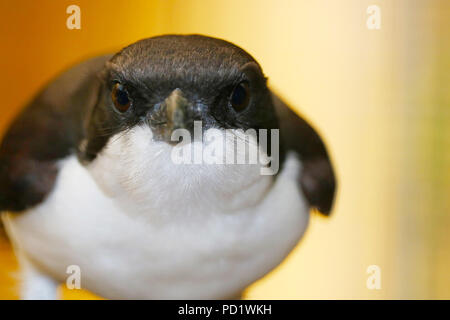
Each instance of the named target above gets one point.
<point>177,109</point>
<point>176,112</point>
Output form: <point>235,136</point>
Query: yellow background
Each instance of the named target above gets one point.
<point>379,97</point>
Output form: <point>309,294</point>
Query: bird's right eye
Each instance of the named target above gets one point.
<point>240,97</point>
<point>120,98</point>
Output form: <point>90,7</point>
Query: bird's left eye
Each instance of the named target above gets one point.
<point>240,97</point>
<point>120,98</point>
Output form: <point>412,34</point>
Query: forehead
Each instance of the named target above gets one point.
<point>192,59</point>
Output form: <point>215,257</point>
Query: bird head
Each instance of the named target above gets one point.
<point>158,87</point>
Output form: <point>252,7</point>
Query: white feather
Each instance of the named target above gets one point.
<point>140,226</point>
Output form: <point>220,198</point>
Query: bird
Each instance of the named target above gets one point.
<point>88,177</point>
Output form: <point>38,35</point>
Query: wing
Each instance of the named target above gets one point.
<point>317,179</point>
<point>48,130</point>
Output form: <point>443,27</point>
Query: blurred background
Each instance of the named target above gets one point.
<point>379,97</point>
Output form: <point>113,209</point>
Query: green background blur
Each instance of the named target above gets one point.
<point>380,98</point>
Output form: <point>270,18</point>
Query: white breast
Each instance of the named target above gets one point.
<point>201,253</point>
